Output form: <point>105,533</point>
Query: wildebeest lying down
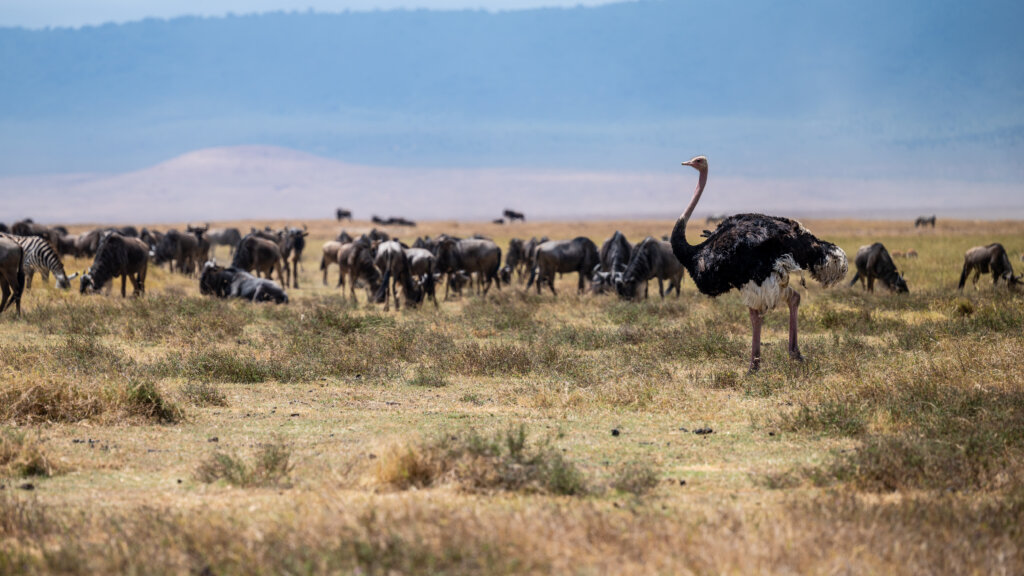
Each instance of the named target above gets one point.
<point>985,259</point>
<point>12,274</point>
<point>651,259</point>
<point>872,262</point>
<point>561,257</point>
<point>118,256</point>
<point>235,283</point>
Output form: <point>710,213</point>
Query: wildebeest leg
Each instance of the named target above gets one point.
<point>394,292</point>
<point>124,285</point>
<point>755,341</point>
<point>6,289</point>
<point>295,273</point>
<point>871,283</point>
<point>661,288</point>
<point>136,292</point>
<point>794,302</point>
<point>551,283</point>
<point>974,279</point>
<point>580,283</point>
<point>142,281</point>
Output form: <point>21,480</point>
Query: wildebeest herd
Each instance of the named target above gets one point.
<point>751,253</point>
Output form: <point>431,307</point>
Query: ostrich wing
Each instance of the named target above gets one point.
<point>746,247</point>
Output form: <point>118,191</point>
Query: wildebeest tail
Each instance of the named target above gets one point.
<point>963,276</point>
<point>856,277</point>
<point>382,292</point>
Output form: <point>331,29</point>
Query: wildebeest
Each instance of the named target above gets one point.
<point>925,221</point>
<point>475,256</point>
<point>330,256</point>
<point>342,214</point>
<point>985,259</point>
<point>355,260</point>
<point>151,237</point>
<point>562,257</point>
<point>651,259</point>
<point>235,283</point>
<point>422,263</point>
<point>122,256</point>
<point>229,237</point>
<point>515,261</point>
<point>260,255</point>
<point>28,227</point>
<point>294,245</point>
<point>512,215</point>
<point>393,263</point>
<point>202,249</point>
<point>872,262</point>
<point>498,221</point>
<point>614,258</point>
<point>12,274</point>
<point>178,250</point>
<point>4,229</point>
<point>344,237</point>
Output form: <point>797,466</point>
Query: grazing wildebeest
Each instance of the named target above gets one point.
<point>985,259</point>
<point>652,258</point>
<point>40,257</point>
<point>421,264</point>
<point>151,237</point>
<point>235,283</point>
<point>614,259</point>
<point>12,274</point>
<point>872,262</point>
<point>515,261</point>
<point>475,256</point>
<point>260,255</point>
<point>393,263</point>
<point>512,215</point>
<point>498,221</point>
<point>118,256</point>
<point>342,214</point>
<point>562,257</point>
<point>178,250</point>
<point>925,221</point>
<point>229,237</point>
<point>355,260</point>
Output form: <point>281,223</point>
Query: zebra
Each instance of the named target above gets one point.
<point>41,257</point>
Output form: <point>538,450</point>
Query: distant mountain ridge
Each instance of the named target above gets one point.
<point>262,182</point>
<point>837,88</point>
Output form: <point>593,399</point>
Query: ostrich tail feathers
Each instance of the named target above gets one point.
<point>833,268</point>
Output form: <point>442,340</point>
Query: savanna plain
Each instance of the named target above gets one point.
<point>517,433</point>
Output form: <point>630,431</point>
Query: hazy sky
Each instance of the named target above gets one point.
<point>42,13</point>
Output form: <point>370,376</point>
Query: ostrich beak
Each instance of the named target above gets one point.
<point>688,163</point>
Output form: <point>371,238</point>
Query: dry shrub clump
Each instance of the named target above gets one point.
<point>203,394</point>
<point>21,455</point>
<point>478,463</point>
<point>270,466</point>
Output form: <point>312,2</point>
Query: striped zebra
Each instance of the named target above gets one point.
<point>40,257</point>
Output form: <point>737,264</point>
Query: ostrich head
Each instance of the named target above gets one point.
<point>698,163</point>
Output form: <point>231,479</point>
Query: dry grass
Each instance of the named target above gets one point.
<point>325,436</point>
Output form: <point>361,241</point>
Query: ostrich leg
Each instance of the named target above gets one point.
<point>794,303</point>
<point>755,344</point>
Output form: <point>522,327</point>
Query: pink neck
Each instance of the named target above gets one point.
<point>696,196</point>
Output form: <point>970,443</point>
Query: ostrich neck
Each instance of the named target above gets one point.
<point>680,247</point>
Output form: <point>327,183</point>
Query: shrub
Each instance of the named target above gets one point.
<point>270,466</point>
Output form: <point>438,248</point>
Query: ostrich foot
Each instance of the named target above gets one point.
<point>794,354</point>
<point>755,365</point>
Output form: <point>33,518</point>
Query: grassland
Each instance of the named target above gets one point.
<point>517,433</point>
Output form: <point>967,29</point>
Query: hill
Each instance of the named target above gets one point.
<point>838,89</point>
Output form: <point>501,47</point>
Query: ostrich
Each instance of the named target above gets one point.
<point>755,253</point>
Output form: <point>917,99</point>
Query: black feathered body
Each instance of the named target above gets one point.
<point>755,253</point>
